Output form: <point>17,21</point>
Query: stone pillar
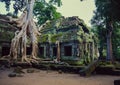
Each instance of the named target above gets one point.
<point>96,51</point>
<point>82,50</point>
<point>93,50</point>
<point>51,51</point>
<point>89,57</point>
<point>78,50</point>
<point>45,51</point>
<point>73,49</point>
<point>62,49</point>
<point>86,53</point>
<point>58,50</point>
<point>0,51</point>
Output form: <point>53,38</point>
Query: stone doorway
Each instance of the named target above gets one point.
<point>5,50</point>
<point>54,51</point>
<point>67,50</point>
<point>41,51</point>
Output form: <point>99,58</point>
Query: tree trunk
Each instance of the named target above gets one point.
<point>109,42</point>
<point>101,51</point>
<point>58,50</point>
<point>28,29</point>
<point>92,50</point>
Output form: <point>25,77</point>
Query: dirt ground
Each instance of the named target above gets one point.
<point>54,78</point>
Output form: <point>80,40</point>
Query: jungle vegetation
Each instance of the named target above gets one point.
<point>105,22</point>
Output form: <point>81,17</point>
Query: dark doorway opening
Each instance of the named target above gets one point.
<point>5,51</point>
<point>41,51</point>
<point>54,51</point>
<point>68,50</point>
<point>29,50</point>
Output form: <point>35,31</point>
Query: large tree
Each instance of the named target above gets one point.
<point>116,41</point>
<point>27,28</point>
<point>106,15</point>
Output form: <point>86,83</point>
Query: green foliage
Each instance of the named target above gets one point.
<point>20,4</point>
<point>56,2</point>
<point>12,15</point>
<point>6,35</point>
<point>4,26</point>
<point>74,62</point>
<point>47,27</point>
<point>67,31</point>
<point>107,11</point>
<point>100,32</point>
<point>43,38</point>
<point>45,11</point>
<point>80,32</point>
<point>67,25</point>
<point>56,37</point>
<point>116,42</point>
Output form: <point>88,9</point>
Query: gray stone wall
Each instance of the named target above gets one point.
<point>0,51</point>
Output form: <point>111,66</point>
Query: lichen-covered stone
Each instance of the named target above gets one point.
<point>70,31</point>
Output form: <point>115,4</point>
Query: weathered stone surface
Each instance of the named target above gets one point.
<point>19,75</point>
<point>75,38</point>
<point>18,70</point>
<point>116,82</point>
<point>30,70</point>
<point>12,75</point>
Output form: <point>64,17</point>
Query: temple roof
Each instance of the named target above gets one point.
<point>7,28</point>
<point>65,30</point>
<point>6,24</point>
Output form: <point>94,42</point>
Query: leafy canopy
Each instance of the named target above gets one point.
<point>43,9</point>
<point>44,12</point>
<point>19,5</point>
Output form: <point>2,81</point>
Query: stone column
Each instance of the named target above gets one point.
<point>45,51</point>
<point>72,49</point>
<point>51,51</point>
<point>0,51</point>
<point>93,50</point>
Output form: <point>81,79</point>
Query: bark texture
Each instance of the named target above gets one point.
<point>58,50</point>
<point>109,42</point>
<point>27,30</point>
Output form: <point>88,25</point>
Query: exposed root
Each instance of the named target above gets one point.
<point>27,29</point>
<point>34,61</point>
<point>25,59</point>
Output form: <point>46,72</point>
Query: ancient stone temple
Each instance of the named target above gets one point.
<point>7,30</point>
<point>65,38</point>
<point>75,39</point>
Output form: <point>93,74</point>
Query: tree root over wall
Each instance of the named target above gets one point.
<point>27,29</point>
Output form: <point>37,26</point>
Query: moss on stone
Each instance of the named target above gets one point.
<point>43,38</point>
<point>56,37</point>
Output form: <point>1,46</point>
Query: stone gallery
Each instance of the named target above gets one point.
<point>67,39</point>
<point>63,39</point>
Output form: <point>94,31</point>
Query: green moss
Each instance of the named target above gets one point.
<point>2,26</point>
<point>43,38</point>
<point>117,64</point>
<point>87,71</point>
<point>6,35</point>
<point>71,61</point>
<point>106,64</point>
<point>68,26</point>
<point>56,37</point>
<point>68,36</point>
